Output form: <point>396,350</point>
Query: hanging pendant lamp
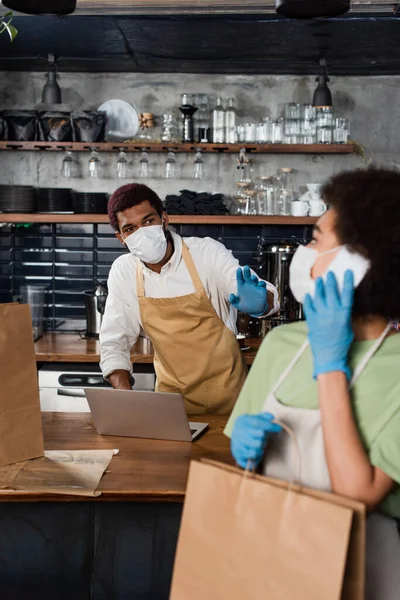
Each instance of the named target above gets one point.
<point>307,9</point>
<point>51,91</point>
<point>322,96</point>
<point>41,7</point>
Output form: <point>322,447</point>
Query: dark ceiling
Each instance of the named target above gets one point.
<point>353,44</point>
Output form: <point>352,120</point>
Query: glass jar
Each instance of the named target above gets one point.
<point>266,196</point>
<point>286,191</point>
<point>169,128</point>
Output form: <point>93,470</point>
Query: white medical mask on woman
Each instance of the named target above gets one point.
<point>148,243</point>
<point>301,281</point>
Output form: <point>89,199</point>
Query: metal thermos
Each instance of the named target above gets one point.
<point>95,304</point>
<point>276,261</point>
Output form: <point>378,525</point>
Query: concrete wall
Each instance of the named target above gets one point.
<point>372,104</point>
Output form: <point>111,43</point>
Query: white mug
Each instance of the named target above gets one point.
<point>298,208</point>
<point>317,208</point>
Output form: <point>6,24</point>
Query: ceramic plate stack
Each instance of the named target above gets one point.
<point>54,200</point>
<point>17,199</point>
<point>90,203</point>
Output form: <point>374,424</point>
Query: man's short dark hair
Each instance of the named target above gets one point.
<point>130,195</point>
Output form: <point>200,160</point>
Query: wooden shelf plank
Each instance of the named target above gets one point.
<point>174,219</point>
<point>162,147</point>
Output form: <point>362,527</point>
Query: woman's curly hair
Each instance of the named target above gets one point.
<point>367,203</point>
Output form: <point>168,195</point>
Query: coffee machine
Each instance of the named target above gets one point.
<point>275,260</point>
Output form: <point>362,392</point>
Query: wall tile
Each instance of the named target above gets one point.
<point>68,228</point>
<point>74,242</point>
<point>110,242</point>
<point>105,230</point>
<point>67,256</point>
<point>213,231</point>
<point>107,257</point>
<point>74,270</point>
<point>33,242</point>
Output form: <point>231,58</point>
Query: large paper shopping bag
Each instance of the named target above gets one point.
<point>21,436</point>
<point>246,537</point>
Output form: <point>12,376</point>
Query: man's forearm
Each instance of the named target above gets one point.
<point>120,380</point>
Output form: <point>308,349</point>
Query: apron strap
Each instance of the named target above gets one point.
<point>357,371</point>
<point>367,357</point>
<point>187,257</point>
<point>139,279</point>
<point>190,267</point>
<point>292,363</point>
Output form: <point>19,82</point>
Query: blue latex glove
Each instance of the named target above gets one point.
<point>249,437</point>
<point>251,295</point>
<point>328,317</point>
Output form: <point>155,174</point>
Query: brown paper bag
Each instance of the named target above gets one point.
<point>21,436</point>
<point>247,537</point>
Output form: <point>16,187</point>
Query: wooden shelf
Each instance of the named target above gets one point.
<point>156,147</point>
<point>174,219</point>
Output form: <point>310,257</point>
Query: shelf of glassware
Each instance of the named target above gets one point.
<point>173,219</point>
<point>169,146</point>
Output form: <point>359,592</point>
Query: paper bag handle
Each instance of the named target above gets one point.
<point>250,467</point>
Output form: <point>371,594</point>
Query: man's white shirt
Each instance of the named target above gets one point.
<point>121,324</point>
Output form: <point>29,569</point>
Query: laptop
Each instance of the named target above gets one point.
<point>155,415</point>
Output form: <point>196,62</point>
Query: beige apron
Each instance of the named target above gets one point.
<point>195,354</point>
<point>383,539</point>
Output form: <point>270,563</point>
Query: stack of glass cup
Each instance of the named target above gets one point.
<point>300,124</point>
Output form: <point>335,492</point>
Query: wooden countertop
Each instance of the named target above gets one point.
<point>70,347</point>
<point>144,470</point>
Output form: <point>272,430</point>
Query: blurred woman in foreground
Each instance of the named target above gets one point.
<point>335,380</point>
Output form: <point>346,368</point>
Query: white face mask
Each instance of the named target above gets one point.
<point>300,280</point>
<point>148,243</point>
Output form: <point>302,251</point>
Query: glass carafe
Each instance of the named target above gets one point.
<point>286,191</point>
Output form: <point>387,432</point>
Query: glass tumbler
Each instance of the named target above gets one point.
<point>292,110</point>
<point>35,297</point>
<point>277,131</point>
<point>263,131</point>
<point>324,135</point>
<point>324,117</point>
<point>249,132</point>
<point>241,134</point>
<point>341,131</point>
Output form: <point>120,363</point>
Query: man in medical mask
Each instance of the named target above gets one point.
<point>183,294</point>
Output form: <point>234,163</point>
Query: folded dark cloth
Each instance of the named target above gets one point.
<point>193,203</point>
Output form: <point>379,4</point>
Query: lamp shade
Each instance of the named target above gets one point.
<point>51,91</point>
<point>41,7</point>
<point>307,9</point>
<point>322,96</point>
